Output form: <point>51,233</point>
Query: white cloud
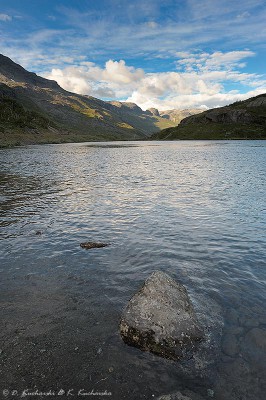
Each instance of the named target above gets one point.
<point>152,24</point>
<point>218,21</point>
<point>117,71</point>
<point>141,29</point>
<point>5,17</point>
<point>212,62</point>
<point>199,100</point>
<point>74,82</point>
<point>115,78</point>
<point>200,84</point>
<point>243,16</point>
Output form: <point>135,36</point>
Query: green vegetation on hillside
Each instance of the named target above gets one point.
<point>37,110</point>
<point>19,125</point>
<point>13,114</point>
<point>241,120</point>
<point>212,131</point>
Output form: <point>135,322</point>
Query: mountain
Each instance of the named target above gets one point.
<point>177,115</point>
<point>142,120</point>
<point>241,120</point>
<point>37,110</point>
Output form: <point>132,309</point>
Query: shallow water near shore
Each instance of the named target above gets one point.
<point>195,210</point>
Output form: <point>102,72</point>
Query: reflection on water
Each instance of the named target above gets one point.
<point>112,146</point>
<point>193,209</point>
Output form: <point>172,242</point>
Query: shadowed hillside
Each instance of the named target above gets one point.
<point>37,110</point>
<point>241,120</point>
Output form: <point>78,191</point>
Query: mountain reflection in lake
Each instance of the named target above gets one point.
<point>195,210</point>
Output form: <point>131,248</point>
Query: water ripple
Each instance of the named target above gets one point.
<point>193,209</point>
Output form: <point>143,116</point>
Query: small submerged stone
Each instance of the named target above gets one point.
<point>92,245</point>
<point>160,318</point>
<point>184,395</point>
<point>230,345</point>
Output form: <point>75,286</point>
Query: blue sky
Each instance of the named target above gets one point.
<point>164,54</point>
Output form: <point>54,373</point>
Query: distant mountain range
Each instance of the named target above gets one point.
<point>241,120</point>
<point>37,110</point>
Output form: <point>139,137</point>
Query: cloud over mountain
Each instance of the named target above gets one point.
<point>159,54</point>
<point>199,81</point>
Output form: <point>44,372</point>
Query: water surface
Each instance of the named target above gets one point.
<point>195,210</point>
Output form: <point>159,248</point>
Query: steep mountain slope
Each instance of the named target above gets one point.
<point>241,120</point>
<point>34,110</point>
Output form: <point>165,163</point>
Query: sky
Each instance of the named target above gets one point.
<point>165,54</point>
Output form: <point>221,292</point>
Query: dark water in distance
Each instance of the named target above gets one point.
<point>195,210</point>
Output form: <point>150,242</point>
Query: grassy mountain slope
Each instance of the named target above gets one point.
<point>35,110</point>
<point>241,120</point>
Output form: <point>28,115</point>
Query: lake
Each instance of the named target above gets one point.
<point>193,209</point>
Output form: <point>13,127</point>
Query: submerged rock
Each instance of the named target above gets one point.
<point>230,345</point>
<point>92,245</point>
<point>184,395</point>
<point>160,318</point>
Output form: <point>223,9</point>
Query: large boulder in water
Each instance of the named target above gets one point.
<point>160,318</point>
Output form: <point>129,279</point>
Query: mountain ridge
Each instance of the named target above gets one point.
<point>45,112</point>
<point>241,120</point>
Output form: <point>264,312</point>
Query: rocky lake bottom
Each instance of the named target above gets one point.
<point>195,210</point>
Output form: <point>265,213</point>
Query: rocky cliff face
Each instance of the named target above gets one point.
<point>224,116</point>
<point>153,111</point>
<point>240,120</point>
<point>177,115</point>
<point>126,107</point>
